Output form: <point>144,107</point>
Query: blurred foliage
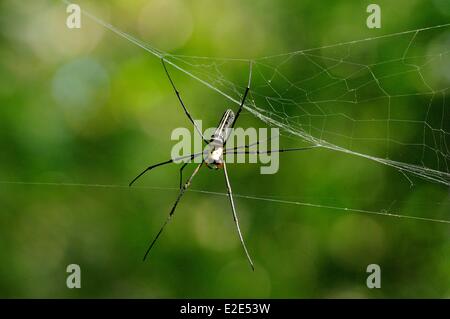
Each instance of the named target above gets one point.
<point>85,106</point>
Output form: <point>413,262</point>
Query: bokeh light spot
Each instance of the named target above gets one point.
<point>79,84</point>
<point>166,24</point>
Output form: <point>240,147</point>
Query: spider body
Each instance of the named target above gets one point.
<point>214,158</point>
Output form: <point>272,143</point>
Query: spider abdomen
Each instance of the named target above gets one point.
<point>214,158</point>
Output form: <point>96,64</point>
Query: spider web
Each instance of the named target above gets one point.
<point>393,110</point>
<point>383,98</point>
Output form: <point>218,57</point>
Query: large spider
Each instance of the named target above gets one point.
<point>212,158</point>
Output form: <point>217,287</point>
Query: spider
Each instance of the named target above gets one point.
<point>213,159</point>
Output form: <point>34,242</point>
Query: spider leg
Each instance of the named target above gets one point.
<point>245,95</point>
<point>181,173</point>
<point>236,148</point>
<point>192,156</point>
<point>235,217</point>
<point>249,145</point>
<point>281,150</point>
<point>181,102</point>
<point>172,211</point>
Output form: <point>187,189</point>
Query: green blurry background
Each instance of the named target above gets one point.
<point>85,106</point>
